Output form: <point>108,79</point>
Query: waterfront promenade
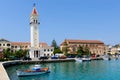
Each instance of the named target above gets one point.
<point>3,73</point>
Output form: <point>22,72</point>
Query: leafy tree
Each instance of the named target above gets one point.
<point>21,53</point>
<point>80,51</point>
<point>7,53</point>
<point>57,50</point>
<point>83,51</point>
<point>25,52</point>
<point>86,51</point>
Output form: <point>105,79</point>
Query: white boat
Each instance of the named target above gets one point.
<point>34,71</point>
<point>86,59</point>
<point>106,57</point>
<point>82,59</point>
<point>78,59</point>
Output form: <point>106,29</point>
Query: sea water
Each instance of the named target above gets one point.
<point>93,70</point>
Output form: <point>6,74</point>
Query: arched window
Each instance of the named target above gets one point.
<point>36,21</point>
<point>44,49</point>
<point>48,49</point>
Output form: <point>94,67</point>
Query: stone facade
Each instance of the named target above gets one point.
<point>94,46</point>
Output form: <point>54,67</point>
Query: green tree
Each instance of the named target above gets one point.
<point>54,44</point>
<point>6,53</point>
<point>57,50</point>
<point>83,51</point>
<point>21,53</point>
<point>25,53</point>
<point>80,51</point>
<point>86,51</point>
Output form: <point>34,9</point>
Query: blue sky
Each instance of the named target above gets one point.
<point>62,19</point>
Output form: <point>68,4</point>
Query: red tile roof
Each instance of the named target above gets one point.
<point>27,43</point>
<point>83,41</point>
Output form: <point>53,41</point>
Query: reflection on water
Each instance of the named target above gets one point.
<point>94,70</point>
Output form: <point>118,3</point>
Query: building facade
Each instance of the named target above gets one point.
<point>113,49</point>
<point>95,46</point>
<point>4,44</point>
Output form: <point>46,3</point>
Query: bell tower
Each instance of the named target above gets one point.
<point>34,34</point>
<point>34,29</point>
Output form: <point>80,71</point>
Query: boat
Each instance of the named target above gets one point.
<point>36,70</point>
<point>82,59</point>
<point>86,59</point>
<point>106,57</point>
<point>78,59</point>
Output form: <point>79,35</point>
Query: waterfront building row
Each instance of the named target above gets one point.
<point>46,50</point>
<point>95,46</point>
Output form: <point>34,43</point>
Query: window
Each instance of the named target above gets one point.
<point>3,44</point>
<point>8,44</point>
<point>36,21</point>
<point>15,46</point>
<point>51,49</point>
<point>48,49</point>
<point>44,49</point>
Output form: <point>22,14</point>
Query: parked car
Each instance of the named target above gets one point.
<point>43,57</point>
<point>27,58</point>
<point>54,57</point>
<point>62,57</point>
<point>71,56</point>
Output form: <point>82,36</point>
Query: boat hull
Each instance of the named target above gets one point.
<point>25,73</point>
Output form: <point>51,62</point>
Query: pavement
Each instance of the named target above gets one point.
<point>3,73</point>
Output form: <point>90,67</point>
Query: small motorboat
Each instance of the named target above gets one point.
<point>106,57</point>
<point>36,70</point>
<point>78,59</point>
<point>82,59</point>
<point>86,59</point>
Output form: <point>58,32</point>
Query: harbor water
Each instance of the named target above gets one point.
<point>93,70</point>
